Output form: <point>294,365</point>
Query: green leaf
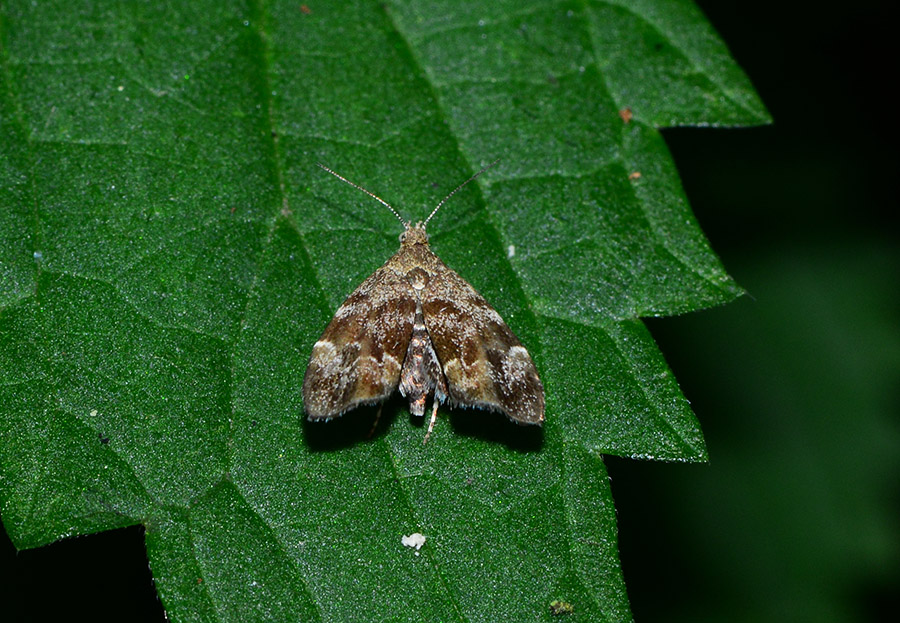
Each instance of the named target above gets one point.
<point>169,253</point>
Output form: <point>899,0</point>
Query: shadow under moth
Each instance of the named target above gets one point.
<point>417,325</point>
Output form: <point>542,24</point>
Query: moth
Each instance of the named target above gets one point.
<point>416,325</point>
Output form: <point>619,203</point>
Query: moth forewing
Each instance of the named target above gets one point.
<point>483,361</point>
<point>416,325</point>
<point>361,352</point>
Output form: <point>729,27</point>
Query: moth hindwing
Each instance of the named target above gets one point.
<point>417,326</point>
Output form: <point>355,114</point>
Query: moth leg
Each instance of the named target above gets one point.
<point>433,420</point>
<point>375,423</point>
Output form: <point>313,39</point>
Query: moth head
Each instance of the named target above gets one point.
<point>414,234</point>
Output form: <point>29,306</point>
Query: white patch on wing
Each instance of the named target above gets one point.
<point>518,352</point>
<point>344,311</point>
<point>323,350</point>
<point>390,362</point>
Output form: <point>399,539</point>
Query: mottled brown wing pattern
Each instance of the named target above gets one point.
<point>485,364</point>
<point>359,356</point>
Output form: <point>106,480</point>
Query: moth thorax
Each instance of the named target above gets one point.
<point>417,278</point>
<point>414,234</point>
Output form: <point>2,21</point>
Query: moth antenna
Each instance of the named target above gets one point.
<point>371,194</point>
<point>455,190</point>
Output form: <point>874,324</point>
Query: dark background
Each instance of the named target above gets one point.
<point>797,386</point>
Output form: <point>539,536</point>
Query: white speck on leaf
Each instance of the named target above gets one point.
<point>415,540</point>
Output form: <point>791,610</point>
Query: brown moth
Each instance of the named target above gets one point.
<point>417,325</point>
